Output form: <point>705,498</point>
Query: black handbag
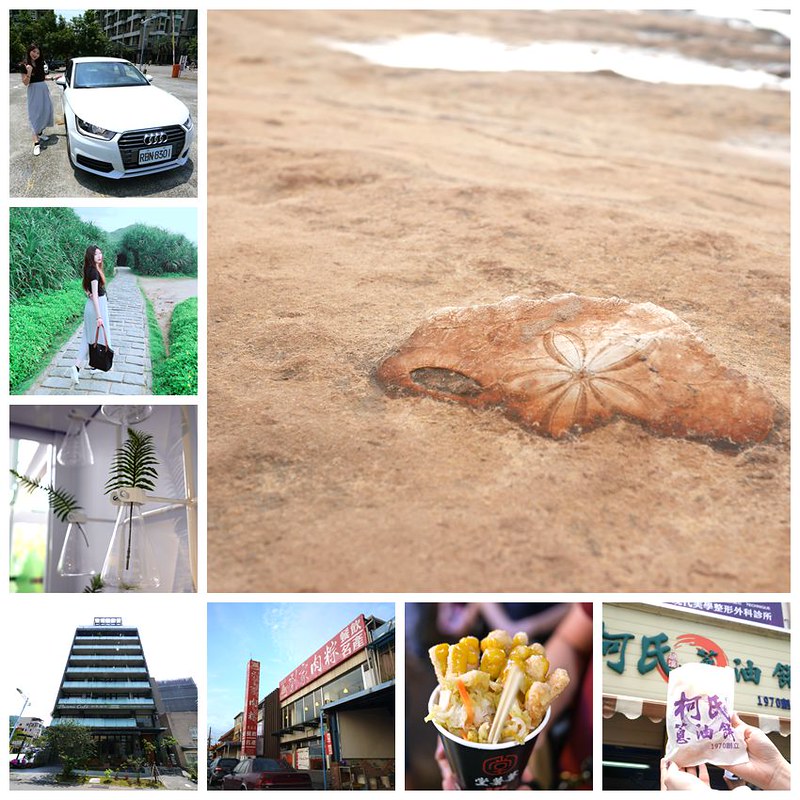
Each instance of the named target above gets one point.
<point>101,356</point>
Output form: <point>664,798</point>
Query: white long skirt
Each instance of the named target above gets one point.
<point>90,327</point>
<point>40,107</point>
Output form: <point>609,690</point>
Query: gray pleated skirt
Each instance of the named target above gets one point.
<point>40,107</point>
<point>90,327</point>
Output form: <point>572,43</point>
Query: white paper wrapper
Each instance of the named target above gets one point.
<point>699,709</point>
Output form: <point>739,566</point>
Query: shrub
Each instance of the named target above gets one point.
<point>177,374</point>
<point>46,249</point>
<point>155,251</point>
<point>38,326</point>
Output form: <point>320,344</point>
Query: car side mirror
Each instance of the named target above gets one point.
<point>62,82</point>
<point>149,78</point>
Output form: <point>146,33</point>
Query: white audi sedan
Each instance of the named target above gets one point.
<point>118,124</point>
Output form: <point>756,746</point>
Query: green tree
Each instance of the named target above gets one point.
<point>89,37</point>
<point>165,743</point>
<point>73,744</point>
<point>60,42</point>
<point>191,49</point>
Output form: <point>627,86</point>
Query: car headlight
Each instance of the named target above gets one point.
<point>188,124</point>
<point>94,130</point>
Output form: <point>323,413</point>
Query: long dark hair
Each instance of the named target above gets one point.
<point>89,266</point>
<point>33,46</point>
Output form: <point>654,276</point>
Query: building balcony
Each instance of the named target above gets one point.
<point>110,648</point>
<point>97,722</point>
<point>101,702</point>
<point>108,639</point>
<point>108,670</point>
<point>118,686</point>
<point>100,659</point>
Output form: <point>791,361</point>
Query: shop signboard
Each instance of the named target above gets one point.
<point>250,717</point>
<point>768,614</point>
<point>641,644</point>
<point>302,758</point>
<point>328,744</point>
<point>349,641</point>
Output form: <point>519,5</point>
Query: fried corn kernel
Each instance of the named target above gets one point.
<point>438,656</point>
<point>497,638</point>
<point>493,661</point>
<point>537,667</point>
<point>473,648</point>
<point>457,660</point>
<point>520,637</point>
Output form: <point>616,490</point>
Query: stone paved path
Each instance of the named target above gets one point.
<point>131,373</point>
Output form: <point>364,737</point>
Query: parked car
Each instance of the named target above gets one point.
<point>218,768</point>
<point>265,773</point>
<point>118,124</point>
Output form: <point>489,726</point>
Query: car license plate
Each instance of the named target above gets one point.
<point>154,154</point>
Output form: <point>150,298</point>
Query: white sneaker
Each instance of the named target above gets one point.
<point>37,149</point>
<point>75,376</point>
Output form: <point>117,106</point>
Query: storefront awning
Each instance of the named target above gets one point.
<point>378,696</point>
<point>655,711</point>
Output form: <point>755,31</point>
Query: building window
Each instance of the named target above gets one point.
<point>345,685</point>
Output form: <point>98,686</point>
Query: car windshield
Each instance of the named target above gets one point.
<point>105,74</point>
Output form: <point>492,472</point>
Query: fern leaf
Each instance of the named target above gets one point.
<point>135,463</point>
<point>61,502</point>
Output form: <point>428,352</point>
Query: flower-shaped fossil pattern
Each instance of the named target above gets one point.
<point>568,364</point>
<point>579,388</point>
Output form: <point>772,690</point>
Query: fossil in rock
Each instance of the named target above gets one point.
<point>570,363</point>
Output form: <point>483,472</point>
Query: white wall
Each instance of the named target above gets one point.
<point>366,734</point>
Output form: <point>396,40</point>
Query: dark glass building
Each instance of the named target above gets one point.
<point>106,687</point>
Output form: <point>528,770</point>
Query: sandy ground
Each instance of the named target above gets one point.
<point>347,201</point>
<point>165,294</point>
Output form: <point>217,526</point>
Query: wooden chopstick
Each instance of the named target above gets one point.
<point>507,699</point>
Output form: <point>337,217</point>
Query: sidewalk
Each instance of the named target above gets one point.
<point>131,373</point>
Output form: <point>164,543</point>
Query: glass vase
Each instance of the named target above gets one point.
<point>130,562</point>
<point>75,552</point>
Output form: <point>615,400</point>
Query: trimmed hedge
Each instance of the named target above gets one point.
<point>177,374</point>
<point>38,327</point>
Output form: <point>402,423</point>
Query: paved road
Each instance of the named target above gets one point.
<point>51,175</point>
<point>132,370</point>
<point>39,778</point>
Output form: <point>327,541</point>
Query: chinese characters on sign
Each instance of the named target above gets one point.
<point>656,652</point>
<point>350,640</point>
<point>770,614</point>
<point>703,717</point>
<point>250,717</point>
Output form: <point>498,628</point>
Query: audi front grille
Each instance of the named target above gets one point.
<point>130,143</point>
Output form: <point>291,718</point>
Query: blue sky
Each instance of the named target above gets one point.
<point>279,635</point>
<point>68,14</point>
<point>177,220</point>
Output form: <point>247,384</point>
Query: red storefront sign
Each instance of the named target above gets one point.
<point>328,744</point>
<point>250,718</point>
<point>347,642</point>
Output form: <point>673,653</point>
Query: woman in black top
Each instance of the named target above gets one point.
<point>95,312</point>
<point>40,108</point>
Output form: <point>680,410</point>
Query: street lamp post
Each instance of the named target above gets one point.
<point>145,23</point>
<point>21,713</point>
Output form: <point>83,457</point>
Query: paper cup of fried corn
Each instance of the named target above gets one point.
<point>487,766</point>
<point>492,701</point>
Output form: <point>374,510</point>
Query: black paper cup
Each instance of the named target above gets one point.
<point>487,766</point>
